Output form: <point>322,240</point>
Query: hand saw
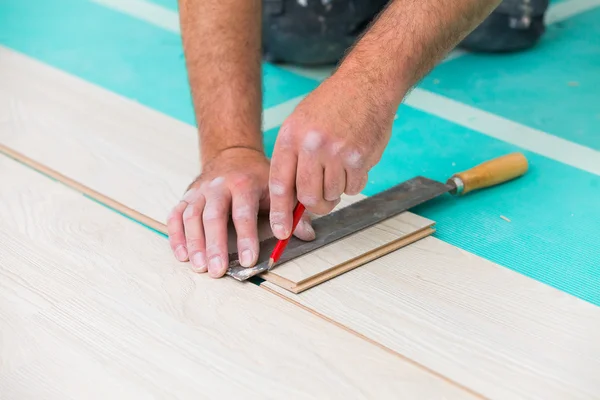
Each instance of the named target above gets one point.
<point>387,204</point>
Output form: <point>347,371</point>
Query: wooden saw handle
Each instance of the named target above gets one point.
<point>490,173</point>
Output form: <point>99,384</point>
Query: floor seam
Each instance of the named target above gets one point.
<point>157,227</point>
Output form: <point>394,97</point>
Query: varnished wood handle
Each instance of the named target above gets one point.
<point>490,173</point>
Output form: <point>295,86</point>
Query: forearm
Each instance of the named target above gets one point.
<point>221,40</point>
<point>408,39</point>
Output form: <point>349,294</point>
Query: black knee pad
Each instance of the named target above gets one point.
<point>513,26</point>
<point>314,32</point>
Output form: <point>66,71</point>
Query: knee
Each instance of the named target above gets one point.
<point>313,32</point>
<point>514,25</point>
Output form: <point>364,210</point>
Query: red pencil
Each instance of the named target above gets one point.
<point>280,246</point>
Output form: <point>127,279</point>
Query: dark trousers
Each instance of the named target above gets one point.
<point>317,32</point>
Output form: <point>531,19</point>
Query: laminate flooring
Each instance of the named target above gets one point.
<point>485,327</point>
<point>92,306</point>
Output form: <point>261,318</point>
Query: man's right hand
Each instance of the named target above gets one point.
<point>235,182</point>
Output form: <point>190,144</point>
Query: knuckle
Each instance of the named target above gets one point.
<point>213,212</point>
<point>241,181</point>
<point>322,208</point>
<point>175,213</point>
<point>356,186</point>
<point>354,159</point>
<point>247,242</point>
<point>277,216</point>
<point>244,213</point>
<point>285,137</point>
<point>308,200</point>
<point>303,180</point>
<point>191,212</point>
<point>216,182</point>
<point>277,188</point>
<point>195,245</point>
<point>312,141</point>
<point>176,239</point>
<point>333,187</point>
<point>213,249</point>
<point>336,148</point>
<point>190,195</point>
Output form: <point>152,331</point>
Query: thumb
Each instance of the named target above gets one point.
<point>304,230</point>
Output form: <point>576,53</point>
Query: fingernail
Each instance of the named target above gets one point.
<point>279,231</point>
<point>215,265</point>
<point>246,258</point>
<point>199,262</point>
<point>181,253</point>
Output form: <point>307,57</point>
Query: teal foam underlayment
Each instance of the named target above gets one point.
<point>554,87</point>
<point>553,210</point>
<point>169,4</point>
<point>119,52</point>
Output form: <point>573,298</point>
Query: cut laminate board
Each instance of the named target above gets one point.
<point>62,114</point>
<point>353,251</point>
<point>355,245</point>
<point>496,331</point>
<point>92,305</point>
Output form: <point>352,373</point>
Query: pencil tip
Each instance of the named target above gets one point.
<point>271,263</point>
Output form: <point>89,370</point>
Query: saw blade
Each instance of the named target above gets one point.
<point>344,222</point>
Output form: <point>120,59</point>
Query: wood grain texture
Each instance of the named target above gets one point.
<point>491,329</point>
<point>502,334</point>
<point>48,113</point>
<point>352,246</point>
<point>64,115</point>
<point>349,265</point>
<point>93,306</point>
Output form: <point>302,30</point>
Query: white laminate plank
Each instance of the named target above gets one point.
<point>501,333</point>
<point>83,131</point>
<point>98,308</point>
<point>350,247</point>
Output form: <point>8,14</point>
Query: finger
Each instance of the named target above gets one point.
<point>309,184</point>
<point>245,219</point>
<point>194,233</point>
<point>334,182</point>
<point>304,230</point>
<point>282,181</point>
<point>176,233</point>
<point>216,218</point>
<point>355,181</point>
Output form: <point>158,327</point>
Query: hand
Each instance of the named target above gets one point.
<point>235,181</point>
<point>327,147</point>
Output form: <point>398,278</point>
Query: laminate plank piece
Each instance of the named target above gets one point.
<point>351,247</point>
<point>94,306</point>
<point>503,334</point>
<point>45,113</point>
<point>338,269</point>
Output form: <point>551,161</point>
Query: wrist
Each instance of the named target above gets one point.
<point>385,87</point>
<point>210,151</point>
